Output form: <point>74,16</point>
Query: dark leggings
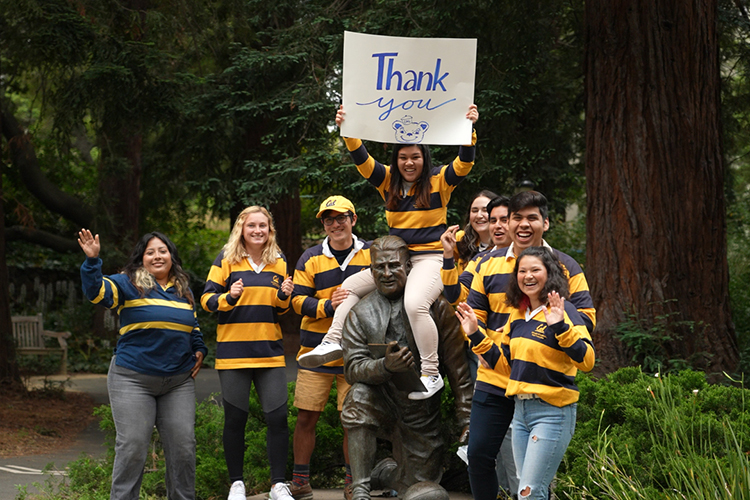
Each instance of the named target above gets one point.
<point>277,441</point>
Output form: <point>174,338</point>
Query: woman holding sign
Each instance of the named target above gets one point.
<point>416,195</point>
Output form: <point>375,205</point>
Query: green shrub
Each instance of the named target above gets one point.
<point>648,430</point>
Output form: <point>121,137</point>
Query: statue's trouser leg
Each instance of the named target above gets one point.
<point>362,445</point>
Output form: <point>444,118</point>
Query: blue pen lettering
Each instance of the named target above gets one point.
<point>415,79</point>
<point>390,105</point>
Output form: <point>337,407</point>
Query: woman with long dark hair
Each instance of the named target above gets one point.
<point>159,352</point>
<point>249,287</point>
<point>475,236</point>
<point>545,342</point>
<point>416,196</point>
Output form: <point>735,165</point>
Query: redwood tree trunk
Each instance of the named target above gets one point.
<point>9,373</point>
<point>656,236</point>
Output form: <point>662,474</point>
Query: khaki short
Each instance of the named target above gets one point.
<point>313,388</point>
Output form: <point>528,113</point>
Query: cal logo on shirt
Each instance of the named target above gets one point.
<point>276,281</point>
<point>539,332</point>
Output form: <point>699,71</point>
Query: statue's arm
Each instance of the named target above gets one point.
<point>359,365</point>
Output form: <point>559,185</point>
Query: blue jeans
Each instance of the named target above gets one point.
<point>138,403</point>
<point>490,417</point>
<point>541,434</point>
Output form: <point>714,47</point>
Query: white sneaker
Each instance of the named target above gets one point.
<point>432,383</point>
<point>322,354</point>
<point>280,491</point>
<point>237,491</point>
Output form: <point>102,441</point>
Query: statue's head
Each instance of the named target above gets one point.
<point>390,264</point>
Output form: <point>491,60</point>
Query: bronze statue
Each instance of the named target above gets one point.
<point>377,405</point>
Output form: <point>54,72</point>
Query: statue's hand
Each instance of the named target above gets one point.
<point>398,360</point>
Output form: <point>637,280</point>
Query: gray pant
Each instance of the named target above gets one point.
<point>138,403</point>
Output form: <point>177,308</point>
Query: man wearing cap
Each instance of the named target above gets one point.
<point>317,293</point>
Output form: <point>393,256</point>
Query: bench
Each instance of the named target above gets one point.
<point>29,335</point>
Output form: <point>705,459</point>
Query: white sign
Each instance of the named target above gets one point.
<point>408,90</point>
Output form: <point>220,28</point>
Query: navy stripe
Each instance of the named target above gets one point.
<point>146,313</point>
<point>334,277</point>
<point>249,314</point>
<point>492,356</point>
<point>213,287</point>
<point>467,153</point>
<point>582,300</point>
<point>310,307</point>
<point>315,251</point>
<point>466,278</point>
<point>251,278</point>
<point>419,236</point>
<point>525,371</point>
<point>213,302</point>
<point>496,321</point>
<point>451,292</point>
<point>359,155</point>
<point>478,301</point>
<point>496,283</point>
<point>577,351</point>
<point>333,370</point>
<point>310,339</point>
<point>409,203</point>
<point>303,290</point>
<point>506,352</point>
<point>253,349</point>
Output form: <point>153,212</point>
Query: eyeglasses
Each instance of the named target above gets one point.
<point>328,221</point>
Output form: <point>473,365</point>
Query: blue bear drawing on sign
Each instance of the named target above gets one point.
<point>409,132</point>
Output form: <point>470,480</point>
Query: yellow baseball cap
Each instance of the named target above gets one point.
<point>337,204</point>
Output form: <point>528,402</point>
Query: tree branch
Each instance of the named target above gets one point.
<point>43,238</point>
<point>24,158</point>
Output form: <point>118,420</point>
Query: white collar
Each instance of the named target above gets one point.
<point>530,314</point>
<point>510,254</point>
<point>357,246</point>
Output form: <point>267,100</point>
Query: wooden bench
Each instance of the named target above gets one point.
<point>29,334</point>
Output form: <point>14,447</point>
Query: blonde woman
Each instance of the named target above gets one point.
<point>249,287</point>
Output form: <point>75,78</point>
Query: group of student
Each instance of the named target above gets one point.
<point>524,307</point>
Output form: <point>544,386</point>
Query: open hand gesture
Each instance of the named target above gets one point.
<point>448,239</point>
<point>468,319</point>
<point>89,243</point>
<point>556,311</point>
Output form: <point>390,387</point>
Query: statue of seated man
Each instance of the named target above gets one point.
<point>375,406</point>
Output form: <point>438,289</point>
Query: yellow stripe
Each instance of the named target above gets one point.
<point>248,332</point>
<point>158,302</point>
<point>230,364</point>
<point>165,325</point>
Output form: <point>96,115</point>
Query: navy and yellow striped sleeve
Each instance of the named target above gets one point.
<point>580,296</point>
<point>283,301</point>
<point>99,289</point>
<point>216,292</point>
<point>375,172</point>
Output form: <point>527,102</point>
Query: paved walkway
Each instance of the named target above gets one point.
<point>25,471</point>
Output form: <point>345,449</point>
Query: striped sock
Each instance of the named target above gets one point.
<point>348,478</point>
<point>301,474</point>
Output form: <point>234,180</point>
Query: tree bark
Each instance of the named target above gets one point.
<point>9,373</point>
<point>656,236</point>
